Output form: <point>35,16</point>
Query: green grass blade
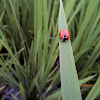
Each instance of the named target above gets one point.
<point>57,93</point>
<point>86,79</point>
<point>1,17</point>
<point>81,3</point>
<point>88,15</point>
<point>94,91</point>
<point>1,88</point>
<point>68,7</point>
<point>4,97</point>
<point>54,95</point>
<point>69,79</point>
<point>18,25</point>
<point>22,91</point>
<point>14,97</point>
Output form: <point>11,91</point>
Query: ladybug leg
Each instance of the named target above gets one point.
<point>61,39</point>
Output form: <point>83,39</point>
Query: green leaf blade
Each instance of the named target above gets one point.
<point>69,80</point>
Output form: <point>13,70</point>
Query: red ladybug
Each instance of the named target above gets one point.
<point>64,35</point>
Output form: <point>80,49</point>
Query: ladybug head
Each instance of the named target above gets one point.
<point>64,38</point>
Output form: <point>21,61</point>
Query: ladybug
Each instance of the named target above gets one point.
<point>64,35</point>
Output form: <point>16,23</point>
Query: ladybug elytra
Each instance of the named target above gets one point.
<point>64,35</point>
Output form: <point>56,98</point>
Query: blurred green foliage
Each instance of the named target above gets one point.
<point>29,37</point>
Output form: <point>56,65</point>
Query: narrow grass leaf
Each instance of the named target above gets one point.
<point>54,96</point>
<point>94,91</point>
<point>69,79</point>
<point>22,91</point>
<point>14,97</point>
<point>88,15</point>
<point>86,79</point>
